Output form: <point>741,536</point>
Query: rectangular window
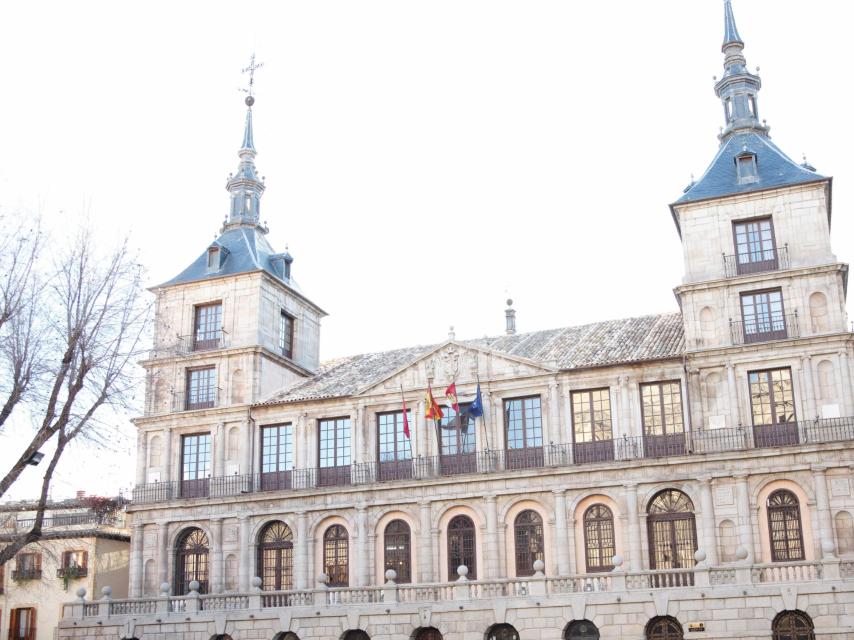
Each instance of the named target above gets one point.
<point>286,335</point>
<point>74,564</point>
<point>772,403</point>
<point>661,413</point>
<point>591,425</point>
<point>393,447</point>
<point>277,457</point>
<point>334,451</point>
<point>457,441</point>
<point>523,428</point>
<point>755,246</point>
<point>207,328</point>
<point>195,465</point>
<point>747,171</point>
<point>762,316</point>
<point>28,566</point>
<point>22,624</point>
<point>201,388</point>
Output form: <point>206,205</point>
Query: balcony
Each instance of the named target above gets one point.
<point>756,262</point>
<point>27,574</point>
<point>72,573</point>
<point>203,399</point>
<point>619,451</point>
<point>184,345</point>
<point>764,329</point>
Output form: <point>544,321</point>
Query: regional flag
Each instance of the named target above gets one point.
<point>476,408</point>
<point>405,417</point>
<point>451,395</point>
<point>433,409</point>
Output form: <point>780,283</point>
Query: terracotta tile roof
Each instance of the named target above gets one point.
<point>628,340</point>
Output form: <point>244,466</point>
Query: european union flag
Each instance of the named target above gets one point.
<point>476,407</point>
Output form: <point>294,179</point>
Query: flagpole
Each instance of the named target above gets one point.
<point>485,426</point>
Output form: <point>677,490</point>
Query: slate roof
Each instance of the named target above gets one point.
<point>776,169</point>
<point>247,251</point>
<point>654,337</point>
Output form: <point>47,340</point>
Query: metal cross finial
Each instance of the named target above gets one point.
<point>251,69</point>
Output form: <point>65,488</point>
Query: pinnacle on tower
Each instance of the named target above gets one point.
<point>245,186</point>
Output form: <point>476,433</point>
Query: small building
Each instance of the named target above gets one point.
<point>86,544</point>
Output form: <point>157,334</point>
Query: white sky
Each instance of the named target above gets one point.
<point>422,158</point>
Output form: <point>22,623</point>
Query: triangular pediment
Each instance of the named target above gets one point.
<point>453,360</point>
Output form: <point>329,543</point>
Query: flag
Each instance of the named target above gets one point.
<point>405,416</point>
<point>433,409</point>
<point>451,395</point>
<point>476,408</point>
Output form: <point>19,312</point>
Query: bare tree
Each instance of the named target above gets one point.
<point>72,323</point>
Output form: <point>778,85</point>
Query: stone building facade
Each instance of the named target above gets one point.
<point>661,477</point>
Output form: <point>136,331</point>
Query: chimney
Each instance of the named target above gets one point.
<point>510,317</point>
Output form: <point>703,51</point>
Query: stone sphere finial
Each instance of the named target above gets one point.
<point>827,546</point>
<point>617,561</point>
<point>107,591</point>
<point>539,566</point>
<point>164,588</point>
<point>700,555</point>
<point>391,575</point>
<point>462,571</point>
<point>323,578</point>
<point>509,302</point>
<point>81,593</point>
<point>194,586</point>
<point>249,101</point>
<point>256,582</point>
<point>741,553</point>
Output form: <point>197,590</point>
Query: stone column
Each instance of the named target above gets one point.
<point>695,400</point>
<point>425,547</point>
<point>635,408</point>
<point>709,543</point>
<point>491,552</point>
<point>744,519</point>
<point>246,458</point>
<point>732,391</point>
<point>561,533</point>
<point>625,409</point>
<point>362,546</point>
<point>845,382</point>
<point>136,562</point>
<point>167,463</point>
<point>219,447</point>
<point>141,457</point>
<point>555,430</point>
<point>822,505</point>
<point>217,573</point>
<point>496,438</point>
<point>163,554</point>
<point>301,566</point>
<point>422,435</point>
<point>435,538</point>
<point>245,570</point>
<point>810,391</point>
<point>633,550</point>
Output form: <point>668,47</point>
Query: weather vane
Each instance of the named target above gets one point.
<point>251,69</point>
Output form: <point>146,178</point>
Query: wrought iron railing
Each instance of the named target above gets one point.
<point>208,398</point>
<point>764,329</point>
<point>616,451</point>
<point>756,261</point>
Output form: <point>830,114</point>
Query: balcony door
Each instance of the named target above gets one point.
<point>195,465</point>
<point>277,457</point>
<point>755,246</point>
<point>334,452</point>
<point>207,328</point>
<point>457,433</point>
<point>394,451</point>
<point>672,532</point>
<point>762,316</point>
<point>523,424</point>
<point>661,411</point>
<point>592,436</point>
<point>772,405</point>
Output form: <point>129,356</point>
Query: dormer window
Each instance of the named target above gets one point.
<point>747,168</point>
<point>213,258</point>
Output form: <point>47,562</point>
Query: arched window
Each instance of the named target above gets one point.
<point>428,633</point>
<point>664,628</point>
<point>793,625</point>
<point>581,630</point>
<point>461,546</point>
<point>356,634</point>
<point>336,561</point>
<point>397,550</point>
<point>276,557</point>
<point>528,535</point>
<point>784,527</point>
<point>502,632</point>
<point>599,538</point>
<point>191,562</point>
<point>672,531</point>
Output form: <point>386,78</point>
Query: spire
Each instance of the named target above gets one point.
<point>244,186</point>
<point>730,30</point>
<point>738,88</point>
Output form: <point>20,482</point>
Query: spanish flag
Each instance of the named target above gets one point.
<point>433,409</point>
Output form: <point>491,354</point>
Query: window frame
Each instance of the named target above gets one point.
<point>196,486</point>
<point>281,477</point>
<point>769,319</point>
<point>602,525</point>
<point>399,465</point>
<point>785,512</point>
<point>287,320</point>
<point>335,474</point>
<point>207,332</point>
<point>747,266</point>
<point>524,420</point>
<point>398,556</point>
<point>467,537</point>
<point>664,423</point>
<point>15,623</point>
<point>341,549</point>
<point>201,561</point>
<point>525,558</point>
<point>276,558</point>
<point>211,389</point>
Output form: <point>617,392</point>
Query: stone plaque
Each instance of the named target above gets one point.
<point>723,495</point>
<point>149,539</point>
<point>229,533</point>
<point>840,487</point>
